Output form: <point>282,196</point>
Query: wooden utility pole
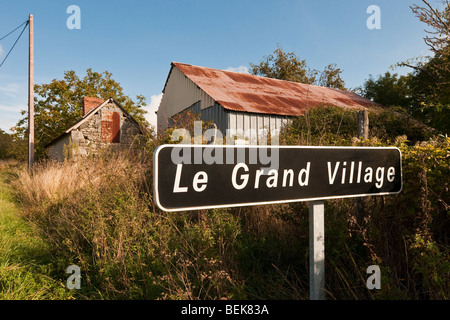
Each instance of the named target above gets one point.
<point>30,94</point>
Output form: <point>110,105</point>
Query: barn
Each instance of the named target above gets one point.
<point>105,123</point>
<point>241,104</point>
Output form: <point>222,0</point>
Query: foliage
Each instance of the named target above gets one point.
<point>425,91</point>
<point>406,234</point>
<point>331,77</point>
<point>328,125</point>
<point>416,93</point>
<point>284,66</point>
<point>430,92</point>
<point>388,124</point>
<point>287,66</point>
<point>58,105</point>
<point>438,41</point>
<point>324,125</point>
<point>182,129</point>
<point>27,269</point>
<point>11,147</point>
<point>439,21</point>
<point>423,211</point>
<point>388,90</point>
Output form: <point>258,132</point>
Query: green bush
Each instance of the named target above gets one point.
<point>324,125</point>
<point>328,125</point>
<point>387,124</point>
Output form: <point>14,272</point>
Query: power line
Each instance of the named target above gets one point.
<point>15,41</point>
<point>13,30</point>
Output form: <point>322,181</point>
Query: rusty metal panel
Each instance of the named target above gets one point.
<point>115,127</point>
<point>110,127</point>
<point>106,126</point>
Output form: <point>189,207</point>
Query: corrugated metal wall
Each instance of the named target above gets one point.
<point>218,115</point>
<point>180,93</point>
<point>255,128</point>
<point>251,127</point>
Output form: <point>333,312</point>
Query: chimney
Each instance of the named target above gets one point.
<point>90,103</point>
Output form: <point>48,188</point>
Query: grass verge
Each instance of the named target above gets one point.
<point>28,271</point>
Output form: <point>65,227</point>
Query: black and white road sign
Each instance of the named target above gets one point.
<point>189,177</point>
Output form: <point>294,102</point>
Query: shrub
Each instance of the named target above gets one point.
<point>406,234</point>
<point>328,125</point>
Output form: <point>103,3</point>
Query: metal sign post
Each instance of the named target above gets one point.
<point>316,250</point>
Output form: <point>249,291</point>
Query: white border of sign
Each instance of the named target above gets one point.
<point>155,175</point>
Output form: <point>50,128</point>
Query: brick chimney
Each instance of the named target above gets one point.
<point>90,103</point>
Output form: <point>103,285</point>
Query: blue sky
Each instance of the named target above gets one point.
<point>137,40</point>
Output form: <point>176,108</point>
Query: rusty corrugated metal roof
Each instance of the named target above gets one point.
<point>248,93</point>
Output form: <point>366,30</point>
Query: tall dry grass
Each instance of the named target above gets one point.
<point>99,214</point>
<point>52,181</point>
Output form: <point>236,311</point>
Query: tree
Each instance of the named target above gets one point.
<point>415,92</point>
<point>438,67</point>
<point>439,21</point>
<point>388,90</point>
<point>430,93</point>
<point>425,91</point>
<point>11,147</point>
<point>430,81</point>
<point>284,66</point>
<point>58,105</point>
<point>331,77</point>
<point>287,66</point>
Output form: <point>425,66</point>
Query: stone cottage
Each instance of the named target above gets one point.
<point>104,124</point>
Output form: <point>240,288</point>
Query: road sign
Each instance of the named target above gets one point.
<point>190,177</point>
